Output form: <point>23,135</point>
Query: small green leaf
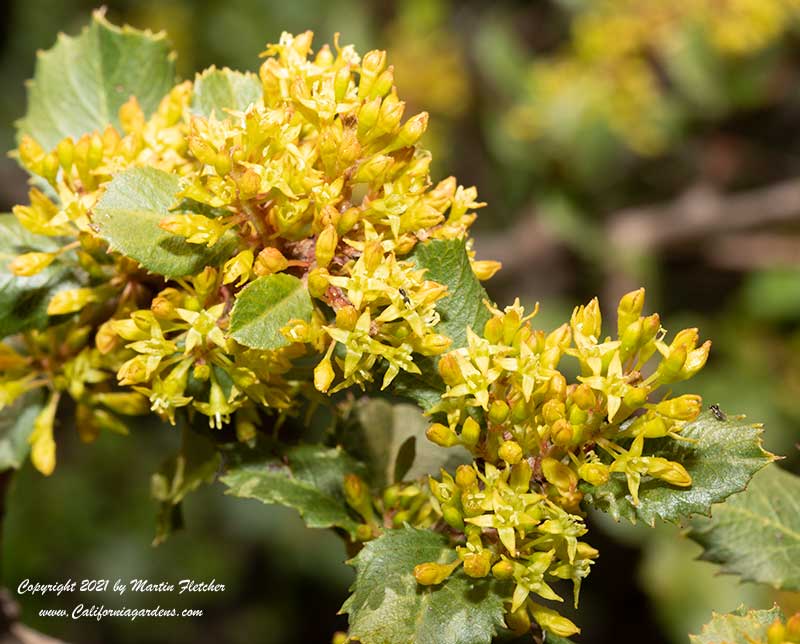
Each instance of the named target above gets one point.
<point>391,438</point>
<point>738,627</point>
<point>16,424</point>
<point>756,534</point>
<point>309,478</point>
<point>128,215</point>
<point>265,306</point>
<point>24,300</point>
<point>446,262</point>
<point>80,84</point>
<point>218,90</point>
<point>387,606</point>
<point>721,458</point>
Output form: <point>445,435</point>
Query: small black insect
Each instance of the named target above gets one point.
<point>718,413</point>
<point>405,297</point>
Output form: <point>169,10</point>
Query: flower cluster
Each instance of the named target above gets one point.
<point>319,178</point>
<point>535,436</point>
<point>607,74</point>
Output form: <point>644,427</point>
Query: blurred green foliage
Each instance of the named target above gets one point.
<point>568,109</point>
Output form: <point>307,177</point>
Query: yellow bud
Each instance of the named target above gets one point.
<point>339,638</point>
<point>586,320</point>
<point>106,338</point>
<point>686,407</point>
<point>521,475</point>
<point>465,476</point>
<point>30,263</point>
<point>65,151</point>
<point>493,330</point>
<point>358,496</point>
<point>594,473</point>
<point>126,403</point>
<point>499,411</point>
<point>318,282</point>
<point>270,260</point>
<point>341,82</point>
<point>519,621</point>
<point>669,471</point>
<point>434,344</point>
<point>584,397</point>
<point>670,367</point>
<point>485,269</point>
<point>478,564</point>
<point>249,182</point>
<point>776,633</point>
<point>131,116</point>
<point>326,246</point>
<point>43,447</point>
<point>503,569</point>
<point>552,622</point>
<point>449,370</point>
<point>630,339</point>
<point>442,435</point>
<point>561,432</point>
<point>696,360</point>
<point>368,116</point>
<point>323,374</point>
<point>373,169</point>
<point>197,229</point>
<point>412,131</point>
<point>520,411</point>
<point>347,317</point>
<point>31,153</point>
<point>470,432</point>
<point>793,628</point>
<point>453,517</point>
<point>347,220</point>
<point>70,301</point>
<point>559,474</point>
<point>629,309</point>
<point>635,398</point>
<point>431,574</point>
<point>510,452</point>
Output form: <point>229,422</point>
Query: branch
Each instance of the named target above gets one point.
<point>702,211</point>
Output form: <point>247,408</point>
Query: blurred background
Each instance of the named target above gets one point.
<point>616,142</point>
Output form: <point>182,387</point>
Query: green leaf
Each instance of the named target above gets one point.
<point>218,90</point>
<point>756,534</point>
<point>446,262</point>
<point>309,478</point>
<point>196,463</point>
<point>265,306</point>
<point>24,300</point>
<point>738,627</point>
<point>391,438</point>
<point>387,606</point>
<point>80,84</point>
<point>721,458</point>
<point>128,215</point>
<point>16,424</point>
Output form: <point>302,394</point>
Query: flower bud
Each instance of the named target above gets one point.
<point>560,475</point>
<point>510,452</point>
<point>478,564</point>
<point>465,476</point>
<point>318,282</point>
<point>669,471</point>
<point>470,432</point>
<point>442,435</point>
<point>431,574</point>
<point>594,473</point>
<point>323,374</point>
<point>493,330</point>
<point>30,263</point>
<point>629,310</point>
<point>695,360</point>
<point>686,407</point>
<point>793,628</point>
<point>521,475</point>
<point>519,621</point>
<point>453,517</point>
<point>70,301</point>
<point>434,344</point>
<point>561,432</point>
<point>238,267</point>
<point>347,317</point>
<point>584,397</point>
<point>499,411</point>
<point>503,569</point>
<point>357,496</point>
<point>326,246</point>
<point>368,116</point>
<point>776,633</point>
<point>552,622</point>
<point>43,447</point>
<point>449,370</point>
<point>485,269</point>
<point>270,260</point>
